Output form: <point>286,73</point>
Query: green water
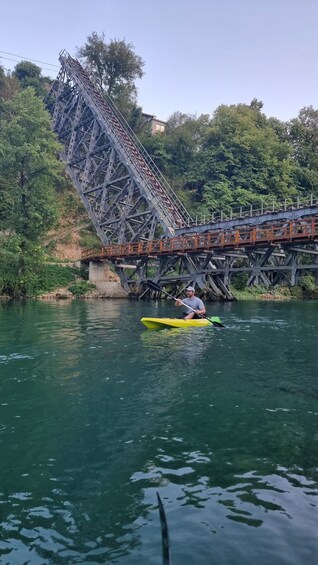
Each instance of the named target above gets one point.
<point>97,414</point>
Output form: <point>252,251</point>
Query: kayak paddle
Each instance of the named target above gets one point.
<point>215,320</point>
<point>164,533</point>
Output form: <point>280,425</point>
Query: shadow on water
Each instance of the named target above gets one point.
<point>99,413</point>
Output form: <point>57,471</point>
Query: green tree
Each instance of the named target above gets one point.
<point>138,122</point>
<point>244,158</point>
<point>185,133</point>
<point>9,85</point>
<point>113,67</point>
<point>156,147</point>
<point>29,171</point>
<point>303,134</point>
<point>29,74</point>
<point>29,163</point>
<point>184,137</point>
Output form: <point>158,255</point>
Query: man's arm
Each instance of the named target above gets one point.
<point>201,311</point>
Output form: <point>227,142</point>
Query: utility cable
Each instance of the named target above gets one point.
<point>15,61</point>
<point>28,59</point>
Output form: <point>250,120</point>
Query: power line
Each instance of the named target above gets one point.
<point>15,61</point>
<point>28,58</point>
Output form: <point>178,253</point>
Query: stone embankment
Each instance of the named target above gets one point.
<point>111,289</point>
<point>272,296</point>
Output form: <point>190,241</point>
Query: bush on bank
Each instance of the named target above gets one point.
<point>37,278</point>
<point>278,293</point>
<point>80,287</point>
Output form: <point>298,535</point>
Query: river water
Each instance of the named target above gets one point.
<point>98,414</point>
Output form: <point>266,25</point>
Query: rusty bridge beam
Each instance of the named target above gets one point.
<point>306,230</point>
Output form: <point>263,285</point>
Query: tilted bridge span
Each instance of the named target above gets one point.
<point>129,203</point>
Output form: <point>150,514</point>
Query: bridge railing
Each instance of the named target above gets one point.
<point>292,231</point>
<point>256,209</point>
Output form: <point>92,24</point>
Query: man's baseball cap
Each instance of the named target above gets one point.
<point>190,288</point>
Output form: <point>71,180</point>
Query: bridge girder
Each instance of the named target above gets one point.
<point>111,196</point>
<point>119,185</point>
<point>213,272</point>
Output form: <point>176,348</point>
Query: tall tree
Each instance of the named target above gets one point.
<point>29,74</point>
<point>244,158</point>
<point>29,171</point>
<point>303,134</point>
<point>185,134</point>
<point>29,163</point>
<point>113,67</point>
<point>9,85</point>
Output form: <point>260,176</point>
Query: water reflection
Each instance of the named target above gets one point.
<point>187,343</point>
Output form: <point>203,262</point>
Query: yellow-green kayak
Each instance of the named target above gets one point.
<point>161,323</point>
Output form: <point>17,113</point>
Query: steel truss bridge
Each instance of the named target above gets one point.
<point>271,254</point>
<point>145,230</point>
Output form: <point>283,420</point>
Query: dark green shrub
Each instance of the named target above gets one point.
<point>79,288</point>
<point>307,282</point>
<point>239,281</point>
<point>296,292</point>
<point>52,276</point>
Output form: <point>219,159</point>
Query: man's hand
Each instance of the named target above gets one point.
<point>178,302</point>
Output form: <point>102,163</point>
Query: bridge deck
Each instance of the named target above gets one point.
<point>304,231</point>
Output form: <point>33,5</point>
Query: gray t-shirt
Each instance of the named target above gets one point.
<point>195,303</point>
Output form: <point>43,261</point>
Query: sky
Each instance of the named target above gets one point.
<point>198,54</point>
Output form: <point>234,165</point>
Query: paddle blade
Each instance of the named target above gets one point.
<point>164,533</point>
<point>216,322</point>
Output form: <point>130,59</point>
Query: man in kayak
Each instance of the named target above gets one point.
<point>195,304</point>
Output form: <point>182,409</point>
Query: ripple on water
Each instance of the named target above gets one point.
<point>14,357</point>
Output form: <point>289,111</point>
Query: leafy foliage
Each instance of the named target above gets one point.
<point>239,281</point>
<point>307,282</point>
<point>303,135</point>
<point>238,157</point>
<point>9,86</point>
<point>24,271</point>
<point>30,170</point>
<point>113,67</point>
<point>28,74</point>
<point>243,160</point>
<point>79,288</point>
<point>28,155</point>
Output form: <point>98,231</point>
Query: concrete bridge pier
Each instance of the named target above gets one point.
<point>105,280</point>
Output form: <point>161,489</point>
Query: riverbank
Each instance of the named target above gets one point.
<point>277,293</point>
<point>114,290</point>
<point>117,292</point>
<point>68,281</point>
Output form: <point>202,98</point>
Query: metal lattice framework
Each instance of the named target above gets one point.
<point>213,272</point>
<point>123,192</point>
<point>269,255</point>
